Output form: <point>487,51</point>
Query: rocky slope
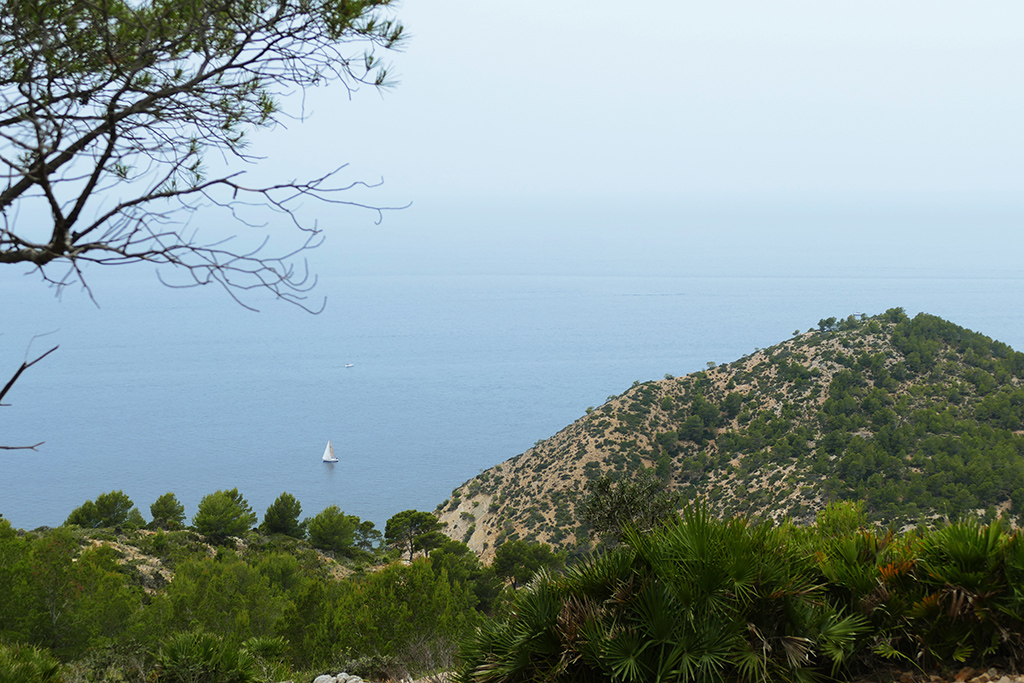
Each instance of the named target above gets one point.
<point>918,417</point>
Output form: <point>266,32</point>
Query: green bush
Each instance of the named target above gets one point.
<point>269,655</point>
<point>223,595</point>
<point>27,664</point>
<point>198,657</point>
<point>968,609</point>
<point>697,600</point>
<point>58,596</point>
<point>409,616</point>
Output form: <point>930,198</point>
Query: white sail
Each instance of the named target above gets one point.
<point>329,453</point>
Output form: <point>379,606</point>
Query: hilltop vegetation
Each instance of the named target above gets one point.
<point>919,418</point>
<point>109,597</point>
<point>696,598</point>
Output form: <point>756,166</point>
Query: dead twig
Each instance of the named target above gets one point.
<point>7,387</point>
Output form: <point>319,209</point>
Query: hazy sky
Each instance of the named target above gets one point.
<point>569,99</point>
<point>570,135</point>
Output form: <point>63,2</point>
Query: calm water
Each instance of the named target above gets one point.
<point>183,391</point>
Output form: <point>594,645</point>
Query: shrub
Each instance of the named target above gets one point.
<point>700,599</point>
<point>269,656</point>
<point>27,664</point>
<point>198,657</point>
<point>410,617</point>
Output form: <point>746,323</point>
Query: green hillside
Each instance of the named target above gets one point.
<point>919,418</point>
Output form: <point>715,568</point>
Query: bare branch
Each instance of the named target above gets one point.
<point>7,387</point>
<point>22,448</point>
<point>24,366</point>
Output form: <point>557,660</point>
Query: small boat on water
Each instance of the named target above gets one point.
<point>329,453</point>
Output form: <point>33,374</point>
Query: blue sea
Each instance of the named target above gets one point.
<point>454,368</point>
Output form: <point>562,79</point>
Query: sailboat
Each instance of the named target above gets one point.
<point>329,453</point>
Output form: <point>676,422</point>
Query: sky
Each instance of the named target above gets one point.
<point>563,135</point>
<point>568,99</point>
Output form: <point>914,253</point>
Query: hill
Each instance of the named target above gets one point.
<point>920,418</point>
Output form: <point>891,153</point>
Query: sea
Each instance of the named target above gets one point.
<point>422,376</point>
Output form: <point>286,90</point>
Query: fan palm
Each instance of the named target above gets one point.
<point>701,600</point>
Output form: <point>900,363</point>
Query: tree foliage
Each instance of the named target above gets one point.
<point>333,530</point>
<point>56,595</point>
<point>610,505</point>
<point>223,594</point>
<point>223,513</point>
<point>169,509</point>
<point>109,510</point>
<point>110,112</point>
<point>282,517</point>
<point>714,599</point>
<point>367,537</point>
<point>519,560</point>
<point>463,567</point>
<point>407,616</point>
<point>412,530</point>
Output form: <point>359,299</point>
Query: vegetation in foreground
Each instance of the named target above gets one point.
<point>669,598</point>
<point>105,599</point>
<point>702,599</point>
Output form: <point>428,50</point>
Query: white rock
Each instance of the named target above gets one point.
<point>324,678</point>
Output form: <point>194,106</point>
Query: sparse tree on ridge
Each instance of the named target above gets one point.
<point>413,530</point>
<point>223,513</point>
<point>611,505</point>
<point>169,509</point>
<point>519,560</point>
<point>367,537</point>
<point>110,509</point>
<point>333,530</point>
<point>282,517</point>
